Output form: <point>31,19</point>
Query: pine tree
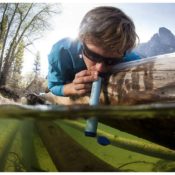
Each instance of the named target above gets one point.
<point>17,65</point>
<point>3,29</point>
<point>37,65</point>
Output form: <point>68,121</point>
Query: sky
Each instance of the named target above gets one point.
<point>148,17</point>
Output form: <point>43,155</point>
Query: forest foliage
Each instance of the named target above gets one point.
<point>20,25</point>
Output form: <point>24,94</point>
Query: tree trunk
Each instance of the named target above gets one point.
<point>4,74</point>
<point>5,38</point>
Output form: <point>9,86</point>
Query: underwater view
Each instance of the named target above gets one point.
<point>51,138</point>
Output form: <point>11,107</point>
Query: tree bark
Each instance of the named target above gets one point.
<point>5,38</point>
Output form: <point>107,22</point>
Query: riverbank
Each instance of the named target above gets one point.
<point>4,100</point>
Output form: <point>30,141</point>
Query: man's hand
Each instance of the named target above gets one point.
<point>81,84</point>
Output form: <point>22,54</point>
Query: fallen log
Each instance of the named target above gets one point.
<point>143,81</point>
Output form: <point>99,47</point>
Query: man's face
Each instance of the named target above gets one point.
<point>101,60</point>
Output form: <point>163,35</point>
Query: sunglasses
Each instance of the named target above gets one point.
<point>98,58</point>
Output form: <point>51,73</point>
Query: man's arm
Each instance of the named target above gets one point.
<point>55,81</point>
<point>56,89</point>
<point>60,73</point>
<point>81,84</point>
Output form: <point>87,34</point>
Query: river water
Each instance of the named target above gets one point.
<point>51,138</point>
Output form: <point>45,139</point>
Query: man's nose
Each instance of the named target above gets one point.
<point>100,66</point>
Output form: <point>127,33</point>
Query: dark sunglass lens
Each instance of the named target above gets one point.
<point>110,61</point>
<point>98,58</point>
<point>113,61</point>
<point>91,55</point>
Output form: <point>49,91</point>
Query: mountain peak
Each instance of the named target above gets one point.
<point>164,30</point>
<point>160,43</point>
<point>166,36</point>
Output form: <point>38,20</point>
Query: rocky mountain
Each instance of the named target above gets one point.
<point>160,43</point>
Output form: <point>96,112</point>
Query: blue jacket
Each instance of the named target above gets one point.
<point>65,61</point>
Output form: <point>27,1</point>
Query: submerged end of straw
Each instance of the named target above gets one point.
<point>90,134</point>
<point>102,140</point>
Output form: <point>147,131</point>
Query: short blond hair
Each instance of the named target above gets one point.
<point>109,28</point>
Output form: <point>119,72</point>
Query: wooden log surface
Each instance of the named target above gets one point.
<point>143,81</point>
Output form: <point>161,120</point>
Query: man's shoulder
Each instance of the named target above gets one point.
<point>63,48</point>
<point>131,56</point>
<point>65,43</point>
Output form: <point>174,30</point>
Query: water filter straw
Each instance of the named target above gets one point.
<point>92,123</point>
<point>95,92</point>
